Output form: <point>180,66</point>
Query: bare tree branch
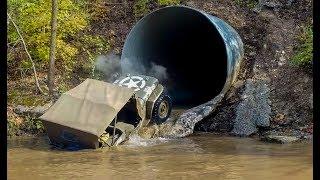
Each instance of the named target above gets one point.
<point>25,48</point>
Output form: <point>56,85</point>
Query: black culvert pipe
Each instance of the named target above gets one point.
<point>200,52</point>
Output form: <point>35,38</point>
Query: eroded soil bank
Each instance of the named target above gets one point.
<point>272,98</point>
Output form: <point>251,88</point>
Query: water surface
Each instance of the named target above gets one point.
<point>202,156</point>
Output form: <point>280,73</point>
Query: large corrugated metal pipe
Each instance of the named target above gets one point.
<point>200,52</point>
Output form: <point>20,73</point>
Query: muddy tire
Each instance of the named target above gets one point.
<point>161,109</point>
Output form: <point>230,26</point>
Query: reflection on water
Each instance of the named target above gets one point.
<point>196,157</point>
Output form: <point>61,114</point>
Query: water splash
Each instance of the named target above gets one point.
<point>137,141</point>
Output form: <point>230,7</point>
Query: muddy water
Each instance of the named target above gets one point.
<point>196,157</point>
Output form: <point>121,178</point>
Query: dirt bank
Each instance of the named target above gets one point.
<point>270,38</point>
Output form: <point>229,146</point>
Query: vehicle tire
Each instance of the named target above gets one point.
<point>161,109</point>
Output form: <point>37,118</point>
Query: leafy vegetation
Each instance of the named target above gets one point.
<point>73,36</point>
<point>168,2</point>
<point>12,127</point>
<point>91,46</point>
<point>304,55</point>
<point>140,8</point>
<point>32,124</point>
<point>33,19</point>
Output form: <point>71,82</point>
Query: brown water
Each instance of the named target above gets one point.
<point>196,157</point>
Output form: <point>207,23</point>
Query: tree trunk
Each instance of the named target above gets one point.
<point>54,13</point>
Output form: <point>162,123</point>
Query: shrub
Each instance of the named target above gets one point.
<point>303,55</point>
<point>140,8</point>
<point>168,2</point>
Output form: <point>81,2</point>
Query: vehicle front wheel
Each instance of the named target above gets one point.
<point>161,109</point>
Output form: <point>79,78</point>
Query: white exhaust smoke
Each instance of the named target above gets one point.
<point>111,66</point>
<point>108,65</point>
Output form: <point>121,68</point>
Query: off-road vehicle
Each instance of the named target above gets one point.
<point>97,113</point>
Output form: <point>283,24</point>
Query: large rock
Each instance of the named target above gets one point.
<point>32,111</point>
<point>254,109</point>
<point>311,101</point>
<point>280,139</point>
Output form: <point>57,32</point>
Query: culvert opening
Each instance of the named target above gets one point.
<point>188,45</point>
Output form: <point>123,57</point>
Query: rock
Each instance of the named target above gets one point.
<point>244,124</point>
<point>20,109</point>
<point>33,111</point>
<point>311,101</point>
<point>262,108</point>
<point>252,53</point>
<point>281,119</point>
<point>308,137</point>
<point>147,132</point>
<point>280,139</point>
<point>154,130</point>
<point>254,110</point>
<point>308,129</point>
<point>270,4</point>
<point>191,4</point>
<point>289,2</point>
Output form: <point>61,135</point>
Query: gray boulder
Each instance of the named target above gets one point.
<point>280,139</point>
<point>254,109</point>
